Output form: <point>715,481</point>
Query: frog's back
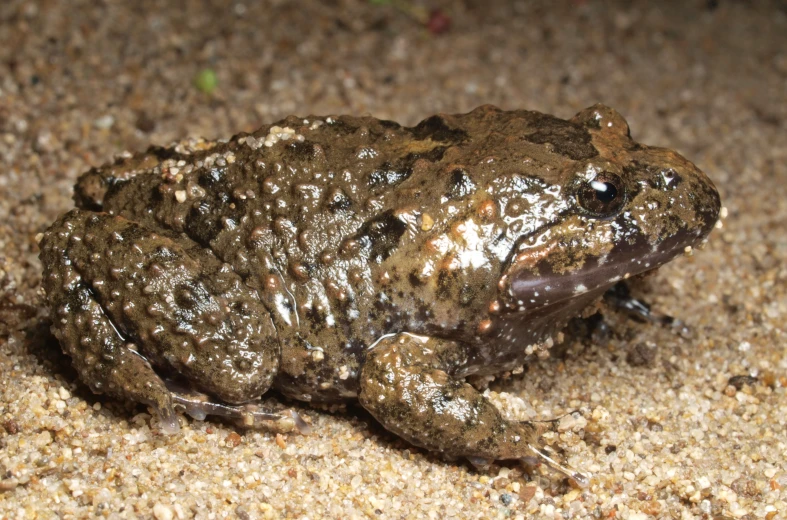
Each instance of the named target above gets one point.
<point>353,227</point>
<point>325,177</point>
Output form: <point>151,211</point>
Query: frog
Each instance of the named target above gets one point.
<point>352,259</point>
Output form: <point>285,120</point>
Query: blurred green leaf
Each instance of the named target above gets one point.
<point>206,81</point>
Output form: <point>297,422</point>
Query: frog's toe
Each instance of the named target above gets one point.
<point>540,453</point>
<point>199,406</point>
<point>619,297</point>
<point>541,456</point>
<point>168,422</point>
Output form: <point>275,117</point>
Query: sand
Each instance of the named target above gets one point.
<point>668,429</point>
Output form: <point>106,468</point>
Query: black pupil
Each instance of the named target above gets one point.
<point>605,191</point>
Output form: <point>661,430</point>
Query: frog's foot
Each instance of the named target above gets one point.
<point>254,416</point>
<point>619,298</point>
<point>407,385</point>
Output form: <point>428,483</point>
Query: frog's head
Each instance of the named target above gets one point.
<point>617,211</point>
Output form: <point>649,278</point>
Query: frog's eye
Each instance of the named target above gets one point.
<point>604,196</point>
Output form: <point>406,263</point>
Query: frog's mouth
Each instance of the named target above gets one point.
<point>533,283</point>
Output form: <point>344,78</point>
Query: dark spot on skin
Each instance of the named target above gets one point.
<point>381,235</point>
<point>200,225</point>
<point>388,175</point>
<point>460,184</point>
<point>388,124</point>
<point>302,151</point>
<point>568,139</point>
<point>433,155</point>
<point>191,295</point>
<point>414,280</point>
<point>205,218</point>
<point>381,303</point>
<point>436,129</point>
<point>354,347</point>
<point>446,282</point>
<point>315,317</point>
<point>340,127</point>
<point>394,319</point>
<point>211,177</point>
<point>499,238</point>
<point>337,200</point>
<point>423,312</point>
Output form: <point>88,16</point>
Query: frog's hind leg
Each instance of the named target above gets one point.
<point>116,287</point>
<point>407,384</point>
<point>102,357</point>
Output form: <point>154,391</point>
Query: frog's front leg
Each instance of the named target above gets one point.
<point>126,300</point>
<point>407,384</point>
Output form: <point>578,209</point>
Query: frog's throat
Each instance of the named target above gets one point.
<point>539,283</point>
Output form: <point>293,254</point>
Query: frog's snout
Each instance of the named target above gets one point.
<point>688,217</point>
<point>711,210</point>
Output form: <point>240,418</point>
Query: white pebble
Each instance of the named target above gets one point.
<point>162,512</point>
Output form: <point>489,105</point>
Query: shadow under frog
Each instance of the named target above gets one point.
<point>348,258</point>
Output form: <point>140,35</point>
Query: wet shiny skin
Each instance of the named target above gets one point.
<point>351,258</point>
